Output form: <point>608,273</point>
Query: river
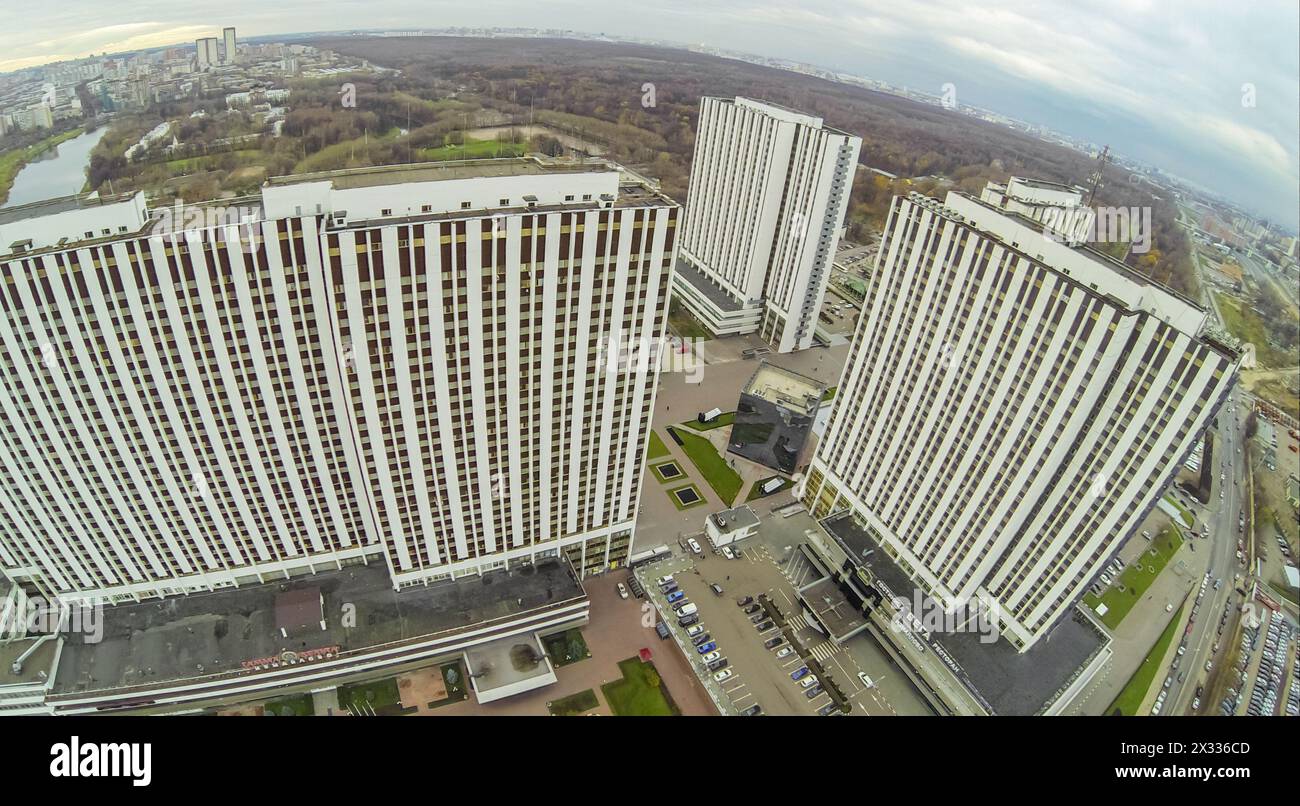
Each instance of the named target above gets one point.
<point>61,171</point>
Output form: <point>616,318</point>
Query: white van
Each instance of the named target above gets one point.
<point>687,610</point>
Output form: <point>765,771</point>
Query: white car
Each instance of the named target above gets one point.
<point>661,581</point>
<point>726,552</point>
<point>866,681</point>
<point>695,630</point>
<point>711,657</point>
<point>622,591</point>
<point>784,651</point>
<point>695,547</point>
<point>808,682</point>
<point>722,675</point>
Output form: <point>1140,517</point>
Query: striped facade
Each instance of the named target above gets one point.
<point>1012,408</point>
<point>192,410</point>
<point>769,192</point>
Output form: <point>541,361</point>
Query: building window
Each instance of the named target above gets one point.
<point>386,211</point>
<point>464,205</point>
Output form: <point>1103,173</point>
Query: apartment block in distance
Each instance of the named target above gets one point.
<point>382,384</point>
<point>1012,408</point>
<point>769,191</point>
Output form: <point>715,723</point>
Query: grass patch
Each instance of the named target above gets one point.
<point>379,696</point>
<point>1136,578</point>
<point>1187,516</point>
<point>657,447</point>
<point>661,473</point>
<point>681,322</point>
<point>1131,696</point>
<point>1244,323</point>
<point>641,692</point>
<point>757,490</point>
<point>472,150</point>
<point>829,393</point>
<point>297,705</point>
<point>725,481</point>
<point>566,647</point>
<point>677,502</point>
<point>573,704</point>
<point>726,418</point>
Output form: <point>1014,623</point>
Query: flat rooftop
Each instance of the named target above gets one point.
<point>35,668</point>
<point>721,299</point>
<point>210,634</point>
<point>785,388</point>
<point>1008,681</point>
<point>735,518</point>
<point>379,175</point>
<point>832,608</point>
<point>61,204</point>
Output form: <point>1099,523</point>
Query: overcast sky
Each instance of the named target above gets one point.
<point>1161,81</point>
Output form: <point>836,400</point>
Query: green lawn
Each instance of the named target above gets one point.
<point>1136,578</point>
<point>297,705</point>
<point>573,704</point>
<point>657,447</point>
<point>664,479</point>
<point>1242,322</point>
<point>724,481</point>
<point>379,695</point>
<point>472,150</point>
<point>829,393</point>
<point>672,494</point>
<point>1188,518</point>
<point>566,647</point>
<point>681,322</point>
<point>1130,698</point>
<point>757,490</point>
<point>726,418</point>
<point>639,693</point>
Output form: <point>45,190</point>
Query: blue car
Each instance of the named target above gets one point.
<point>705,649</point>
<point>676,595</point>
<point>798,673</point>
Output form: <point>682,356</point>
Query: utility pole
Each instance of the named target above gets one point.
<point>1094,180</point>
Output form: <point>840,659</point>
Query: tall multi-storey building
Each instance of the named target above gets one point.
<point>207,54</point>
<point>400,365</point>
<point>229,53</point>
<point>769,191</point>
<point>1012,408</point>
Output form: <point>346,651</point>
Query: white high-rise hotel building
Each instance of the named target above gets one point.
<point>1013,406</point>
<point>769,191</point>
<point>394,365</point>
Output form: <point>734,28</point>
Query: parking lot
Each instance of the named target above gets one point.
<point>761,675</point>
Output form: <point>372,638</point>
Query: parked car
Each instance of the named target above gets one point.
<point>676,596</point>
<point>808,681</point>
<point>722,675</point>
<point>813,692</point>
<point>773,642</point>
<point>711,657</point>
<point>716,588</point>
<point>622,591</point>
<point>668,588</point>
<point>695,546</point>
<point>687,620</point>
<point>764,626</point>
<point>757,617</point>
<point>708,646</point>
<point>827,709</point>
<point>784,651</point>
<point>701,638</point>
<point>744,601</point>
<point>664,580</point>
<point>720,663</point>
<point>727,552</point>
<point>694,631</point>
<point>753,710</point>
<point>753,608</point>
<point>798,673</point>
<point>866,681</point>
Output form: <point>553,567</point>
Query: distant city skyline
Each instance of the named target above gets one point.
<point>1216,100</point>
